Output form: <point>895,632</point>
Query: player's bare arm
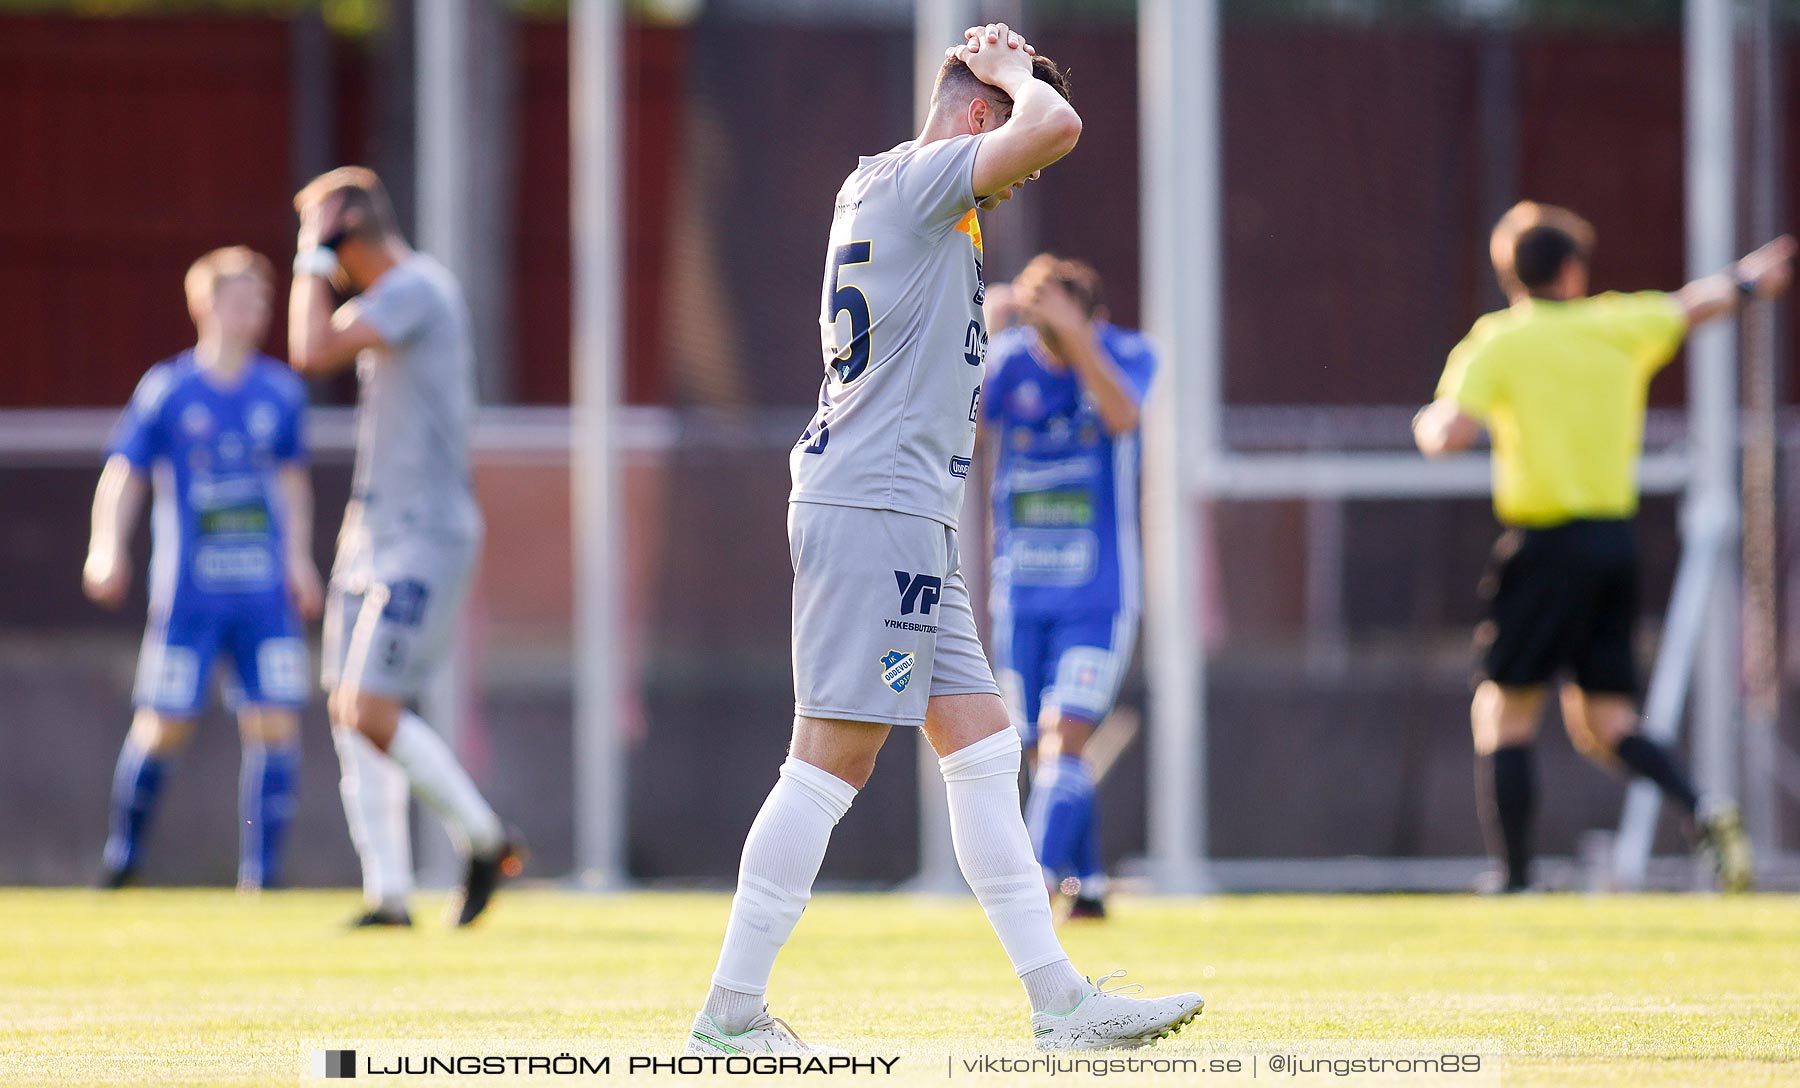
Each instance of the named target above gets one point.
<point>118,500</point>
<point>321,340</point>
<point>303,581</point>
<point>1442,428</point>
<point>1043,126</point>
<point>1765,273</point>
<point>1061,320</point>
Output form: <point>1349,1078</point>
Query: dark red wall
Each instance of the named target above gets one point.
<point>132,147</point>
<point>135,145</point>
<point>1354,230</point>
<point>656,68</point>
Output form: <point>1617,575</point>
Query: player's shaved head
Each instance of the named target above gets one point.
<point>1532,242</point>
<point>228,263</point>
<point>365,210</point>
<point>957,86</point>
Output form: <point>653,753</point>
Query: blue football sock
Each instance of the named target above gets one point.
<point>1090,868</point>
<point>1065,791</point>
<point>137,779</point>
<point>1037,815</point>
<point>267,784</point>
<point>1084,843</point>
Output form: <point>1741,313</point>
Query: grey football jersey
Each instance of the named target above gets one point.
<point>903,337</point>
<point>416,405</point>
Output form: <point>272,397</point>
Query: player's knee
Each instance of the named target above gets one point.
<point>1587,743</point>
<point>374,716</point>
<point>953,722</point>
<point>377,717</point>
<point>338,708</point>
<point>346,708</point>
<point>843,749</point>
<point>1064,734</point>
<point>857,770</point>
<point>853,767</point>
<point>159,733</point>
<point>269,725</point>
<point>1603,722</point>
<point>1504,717</point>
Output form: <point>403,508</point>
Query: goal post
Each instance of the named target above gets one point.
<point>937,24</point>
<point>1181,247</point>
<point>1710,87</point>
<point>1188,468</point>
<point>597,143</point>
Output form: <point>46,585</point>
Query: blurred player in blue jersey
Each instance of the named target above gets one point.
<point>1063,393</point>
<point>220,430</point>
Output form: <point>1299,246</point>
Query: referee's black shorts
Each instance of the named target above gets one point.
<point>1562,598</point>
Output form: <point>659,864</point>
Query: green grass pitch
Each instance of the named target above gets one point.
<point>205,988</point>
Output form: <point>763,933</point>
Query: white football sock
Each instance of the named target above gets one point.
<point>994,851</point>
<point>374,791</point>
<point>782,855</point>
<point>730,1010</point>
<point>1056,988</point>
<point>444,786</point>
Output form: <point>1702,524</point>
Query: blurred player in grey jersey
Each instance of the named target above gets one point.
<point>410,536</point>
<point>883,629</point>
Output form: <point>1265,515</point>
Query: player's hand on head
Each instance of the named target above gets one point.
<point>318,221</point>
<point>975,36</point>
<point>308,238</point>
<point>1055,308</point>
<point>105,580</point>
<point>1031,280</point>
<point>1045,303</point>
<point>997,56</point>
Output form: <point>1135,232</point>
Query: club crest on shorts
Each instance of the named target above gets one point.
<point>896,670</point>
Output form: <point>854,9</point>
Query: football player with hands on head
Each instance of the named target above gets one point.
<point>1063,394</point>
<point>883,629</point>
<point>410,537</point>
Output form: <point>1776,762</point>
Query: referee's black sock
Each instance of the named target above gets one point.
<point>1513,796</point>
<point>1651,760</point>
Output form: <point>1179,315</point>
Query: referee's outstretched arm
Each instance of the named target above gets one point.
<point>1443,427</point>
<point>1765,273</point>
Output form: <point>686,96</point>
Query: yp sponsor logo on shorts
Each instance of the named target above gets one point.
<point>896,670</point>
<point>920,591</point>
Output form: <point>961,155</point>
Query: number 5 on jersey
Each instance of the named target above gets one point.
<point>852,359</point>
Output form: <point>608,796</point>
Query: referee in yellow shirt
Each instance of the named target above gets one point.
<point>1560,379</point>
